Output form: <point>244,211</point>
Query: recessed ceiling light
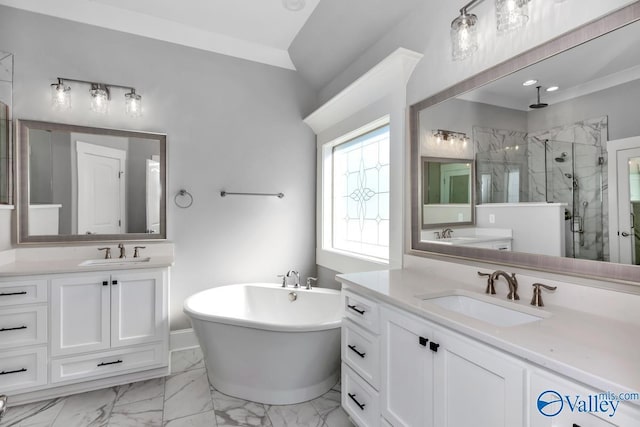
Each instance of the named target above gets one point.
<point>529,82</point>
<point>294,5</point>
<point>552,88</point>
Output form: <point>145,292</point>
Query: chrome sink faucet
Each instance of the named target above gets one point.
<point>446,233</point>
<point>296,276</point>
<point>511,281</point>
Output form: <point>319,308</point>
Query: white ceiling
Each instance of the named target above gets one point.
<point>257,30</point>
<point>607,61</point>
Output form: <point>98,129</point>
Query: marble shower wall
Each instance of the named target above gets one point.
<point>580,180</point>
<point>499,152</point>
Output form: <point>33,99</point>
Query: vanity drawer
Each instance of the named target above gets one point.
<point>363,311</point>
<point>359,399</point>
<point>24,368</point>
<point>107,363</point>
<point>361,351</point>
<point>23,325</point>
<point>23,292</point>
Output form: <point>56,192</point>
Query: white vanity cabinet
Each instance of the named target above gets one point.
<point>561,394</point>
<point>69,332</point>
<point>23,333</point>
<point>104,312</point>
<point>435,377</point>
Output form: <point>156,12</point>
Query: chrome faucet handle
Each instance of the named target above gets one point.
<point>107,253</point>
<point>284,280</point>
<point>309,280</point>
<point>537,293</point>
<point>436,235</point>
<point>123,253</point>
<point>136,251</point>
<point>491,289</point>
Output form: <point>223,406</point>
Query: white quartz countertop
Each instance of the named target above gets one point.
<point>55,260</point>
<point>22,268</point>
<point>600,352</point>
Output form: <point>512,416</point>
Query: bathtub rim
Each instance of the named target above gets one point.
<point>253,324</point>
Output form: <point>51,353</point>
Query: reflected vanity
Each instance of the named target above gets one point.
<point>81,183</point>
<point>558,178</point>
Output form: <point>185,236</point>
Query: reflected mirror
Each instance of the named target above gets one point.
<point>555,147</point>
<point>87,184</point>
<point>447,191</point>
<point>6,96</point>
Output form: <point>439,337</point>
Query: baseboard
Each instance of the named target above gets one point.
<point>182,339</point>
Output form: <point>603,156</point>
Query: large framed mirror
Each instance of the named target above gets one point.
<point>6,101</point>
<point>555,139</point>
<point>78,184</point>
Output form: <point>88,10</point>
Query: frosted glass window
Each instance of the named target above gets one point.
<point>360,217</point>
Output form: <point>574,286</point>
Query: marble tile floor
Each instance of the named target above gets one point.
<point>183,399</point>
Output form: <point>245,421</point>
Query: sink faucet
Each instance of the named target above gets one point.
<point>511,281</point>
<point>122,251</point>
<point>446,233</point>
<point>296,275</point>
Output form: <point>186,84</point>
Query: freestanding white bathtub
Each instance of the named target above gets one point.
<point>261,346</point>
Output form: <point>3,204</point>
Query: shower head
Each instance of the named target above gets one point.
<point>539,104</point>
<point>561,158</point>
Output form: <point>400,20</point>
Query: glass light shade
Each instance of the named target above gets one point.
<point>464,36</point>
<point>99,99</point>
<point>60,97</point>
<point>133,104</point>
<point>511,14</point>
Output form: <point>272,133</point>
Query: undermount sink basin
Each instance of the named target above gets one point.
<point>113,261</point>
<point>486,311</point>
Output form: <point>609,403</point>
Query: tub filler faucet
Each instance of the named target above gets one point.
<point>296,276</point>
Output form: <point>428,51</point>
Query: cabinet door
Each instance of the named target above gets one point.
<point>556,401</point>
<point>80,314</point>
<point>476,385</point>
<point>407,367</point>
<point>137,308</point>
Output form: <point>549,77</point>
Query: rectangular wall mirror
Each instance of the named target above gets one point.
<point>447,196</point>
<point>555,139</point>
<point>6,102</point>
<point>80,183</point>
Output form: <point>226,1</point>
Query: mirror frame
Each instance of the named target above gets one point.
<point>21,190</point>
<point>472,185</point>
<point>570,266</point>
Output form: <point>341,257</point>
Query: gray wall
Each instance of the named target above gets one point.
<point>231,124</point>
<point>618,103</point>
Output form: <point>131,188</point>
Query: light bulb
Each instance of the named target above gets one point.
<point>133,104</point>
<point>464,36</point>
<point>99,99</point>
<point>60,96</point>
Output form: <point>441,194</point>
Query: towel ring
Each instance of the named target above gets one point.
<point>183,204</point>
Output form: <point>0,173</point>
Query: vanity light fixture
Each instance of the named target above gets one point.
<point>60,96</point>
<point>133,104</point>
<point>451,136</point>
<point>464,33</point>
<point>511,14</point>
<point>100,96</point>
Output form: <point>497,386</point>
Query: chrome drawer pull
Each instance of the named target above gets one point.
<point>353,348</point>
<point>13,329</point>
<point>13,372</point>
<point>6,294</point>
<point>109,363</point>
<point>355,308</point>
<point>353,397</point>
